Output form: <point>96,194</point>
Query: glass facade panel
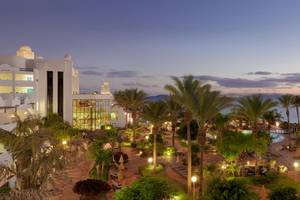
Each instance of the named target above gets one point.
<point>91,114</point>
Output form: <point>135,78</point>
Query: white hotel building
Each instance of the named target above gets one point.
<point>30,84</point>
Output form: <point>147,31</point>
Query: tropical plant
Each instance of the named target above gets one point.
<point>205,107</point>
<point>148,188</point>
<point>156,113</point>
<point>221,122</point>
<point>296,104</point>
<point>252,108</point>
<point>222,189</point>
<point>183,91</point>
<point>287,193</point>
<point>133,101</point>
<point>286,102</point>
<point>182,131</point>
<point>174,111</point>
<point>35,151</point>
<point>271,117</point>
<point>100,151</point>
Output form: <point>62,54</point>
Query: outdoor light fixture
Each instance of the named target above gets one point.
<point>64,142</point>
<point>150,160</point>
<point>296,164</point>
<point>194,179</point>
<point>147,137</point>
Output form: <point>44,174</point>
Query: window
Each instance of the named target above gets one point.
<point>27,90</point>
<point>5,76</point>
<point>24,77</point>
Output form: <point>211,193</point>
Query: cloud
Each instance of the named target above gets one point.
<point>91,72</point>
<point>122,74</point>
<point>88,68</point>
<point>238,82</point>
<point>138,84</point>
<point>259,73</point>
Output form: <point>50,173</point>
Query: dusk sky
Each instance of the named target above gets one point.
<point>238,46</point>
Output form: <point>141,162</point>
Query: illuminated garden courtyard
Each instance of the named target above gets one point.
<point>193,144</point>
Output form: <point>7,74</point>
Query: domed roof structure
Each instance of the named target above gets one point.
<point>26,52</point>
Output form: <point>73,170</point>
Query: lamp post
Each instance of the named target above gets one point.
<point>296,165</point>
<point>194,180</point>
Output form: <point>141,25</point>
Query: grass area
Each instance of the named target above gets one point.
<point>148,170</point>
<point>271,183</point>
<point>283,181</point>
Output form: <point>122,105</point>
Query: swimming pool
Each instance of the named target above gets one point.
<point>275,137</point>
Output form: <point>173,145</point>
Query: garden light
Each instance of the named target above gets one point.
<point>296,164</point>
<point>194,179</point>
<point>150,160</point>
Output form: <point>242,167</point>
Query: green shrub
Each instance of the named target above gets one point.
<point>221,189</point>
<point>148,170</point>
<point>5,189</point>
<point>267,179</point>
<point>149,188</point>
<point>287,193</point>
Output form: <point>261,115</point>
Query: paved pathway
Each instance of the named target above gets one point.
<point>64,181</point>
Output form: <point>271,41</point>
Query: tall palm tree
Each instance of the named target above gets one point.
<point>206,106</point>
<point>286,101</point>
<point>296,104</point>
<point>157,114</point>
<point>252,108</point>
<point>174,110</point>
<point>120,100</point>
<point>132,100</point>
<point>183,90</point>
<point>36,151</point>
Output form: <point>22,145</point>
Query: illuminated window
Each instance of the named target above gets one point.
<point>5,89</point>
<point>5,76</point>
<point>113,116</point>
<point>24,77</point>
<point>27,90</point>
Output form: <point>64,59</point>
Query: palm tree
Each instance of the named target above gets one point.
<point>296,104</point>
<point>157,114</point>
<point>183,91</point>
<point>132,100</point>
<point>252,108</point>
<point>35,150</point>
<point>174,110</point>
<point>286,101</point>
<point>120,100</point>
<point>271,117</point>
<point>221,122</point>
<point>206,106</point>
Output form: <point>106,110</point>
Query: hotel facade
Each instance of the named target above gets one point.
<point>31,84</point>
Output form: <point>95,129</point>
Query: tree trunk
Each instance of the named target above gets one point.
<point>202,139</point>
<point>254,131</point>
<point>189,156</point>
<point>173,133</point>
<point>297,111</point>
<point>288,118</point>
<point>133,126</point>
<point>154,148</point>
